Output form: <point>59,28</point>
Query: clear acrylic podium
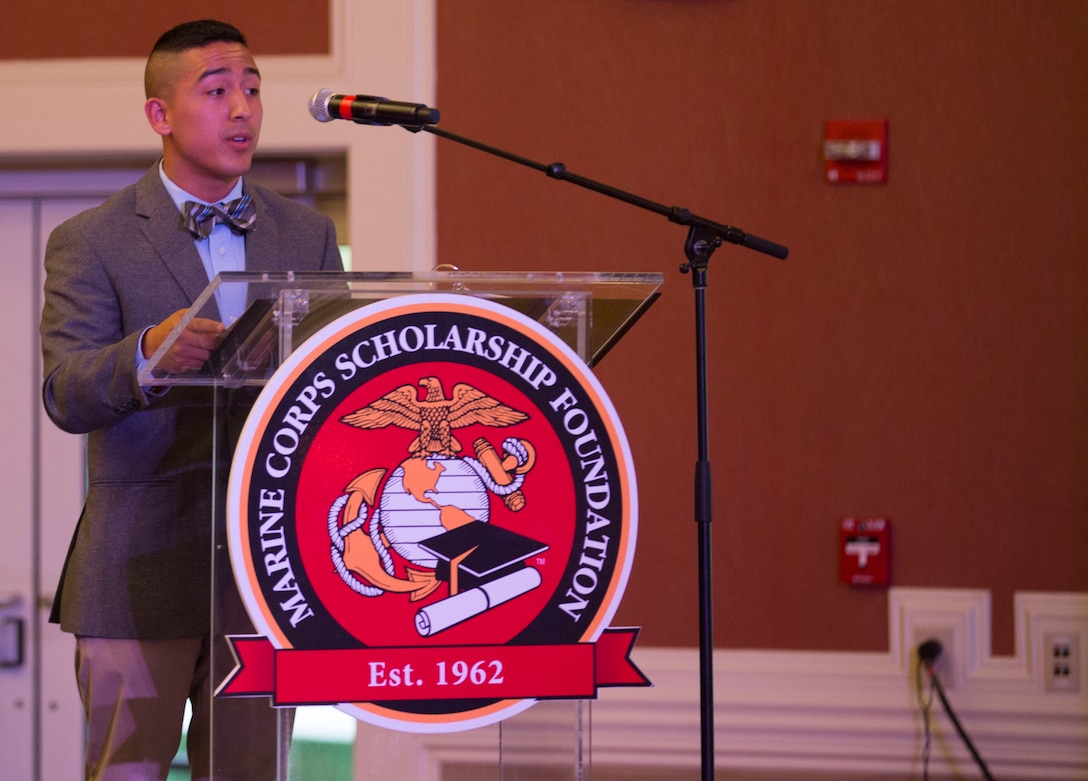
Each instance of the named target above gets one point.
<point>588,311</point>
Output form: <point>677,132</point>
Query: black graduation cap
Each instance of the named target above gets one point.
<point>481,552</point>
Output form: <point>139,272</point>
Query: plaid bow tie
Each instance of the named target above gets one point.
<point>200,218</point>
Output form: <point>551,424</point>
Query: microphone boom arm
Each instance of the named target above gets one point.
<point>677,214</point>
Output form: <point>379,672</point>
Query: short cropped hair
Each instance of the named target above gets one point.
<point>186,36</point>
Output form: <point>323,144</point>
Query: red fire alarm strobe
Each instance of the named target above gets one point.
<point>865,551</point>
<point>856,151</point>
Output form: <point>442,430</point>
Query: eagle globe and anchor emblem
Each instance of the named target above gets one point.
<point>433,509</point>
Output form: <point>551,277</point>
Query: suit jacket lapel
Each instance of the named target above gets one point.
<point>163,229</point>
<point>263,242</point>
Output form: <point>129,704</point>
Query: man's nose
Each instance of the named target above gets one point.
<point>241,106</point>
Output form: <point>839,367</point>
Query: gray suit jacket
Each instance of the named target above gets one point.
<point>138,565</point>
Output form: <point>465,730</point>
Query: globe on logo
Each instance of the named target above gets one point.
<point>425,497</point>
<point>422,502</point>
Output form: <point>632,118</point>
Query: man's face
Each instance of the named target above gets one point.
<point>209,118</point>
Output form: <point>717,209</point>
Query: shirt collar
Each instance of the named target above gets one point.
<point>180,196</point>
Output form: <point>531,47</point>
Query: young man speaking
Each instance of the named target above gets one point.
<point>135,589</point>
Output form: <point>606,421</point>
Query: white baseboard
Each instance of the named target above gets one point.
<point>816,712</point>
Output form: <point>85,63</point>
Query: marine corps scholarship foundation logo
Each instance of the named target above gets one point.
<point>432,516</point>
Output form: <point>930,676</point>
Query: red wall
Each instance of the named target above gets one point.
<point>32,30</point>
<point>921,356</point>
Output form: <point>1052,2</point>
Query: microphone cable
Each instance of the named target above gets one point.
<point>928,652</point>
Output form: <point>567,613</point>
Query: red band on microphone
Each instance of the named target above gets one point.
<point>344,107</point>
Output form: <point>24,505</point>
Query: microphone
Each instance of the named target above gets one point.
<point>370,110</point>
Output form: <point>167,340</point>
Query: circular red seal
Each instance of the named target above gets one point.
<point>432,515</point>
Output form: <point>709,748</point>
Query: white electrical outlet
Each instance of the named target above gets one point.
<point>1061,661</point>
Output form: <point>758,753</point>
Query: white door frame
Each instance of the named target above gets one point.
<point>43,473</point>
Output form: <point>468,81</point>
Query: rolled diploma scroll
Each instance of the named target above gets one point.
<point>453,610</point>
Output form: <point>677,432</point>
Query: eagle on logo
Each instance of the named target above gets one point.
<point>435,416</point>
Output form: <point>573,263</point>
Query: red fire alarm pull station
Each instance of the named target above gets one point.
<point>865,551</point>
<point>856,151</point>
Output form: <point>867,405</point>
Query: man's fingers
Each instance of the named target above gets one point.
<point>193,345</point>
<point>203,325</point>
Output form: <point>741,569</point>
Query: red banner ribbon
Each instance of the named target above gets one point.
<point>299,677</point>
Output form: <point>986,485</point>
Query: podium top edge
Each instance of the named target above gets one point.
<point>516,277</point>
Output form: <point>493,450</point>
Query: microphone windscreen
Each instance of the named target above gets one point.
<point>319,105</point>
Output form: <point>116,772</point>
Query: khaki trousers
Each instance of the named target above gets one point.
<point>134,694</point>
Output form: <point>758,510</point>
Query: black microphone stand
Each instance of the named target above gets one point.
<point>704,236</point>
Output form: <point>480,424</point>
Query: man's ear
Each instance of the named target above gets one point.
<point>155,109</point>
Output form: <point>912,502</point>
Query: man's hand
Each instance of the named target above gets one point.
<point>192,347</point>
